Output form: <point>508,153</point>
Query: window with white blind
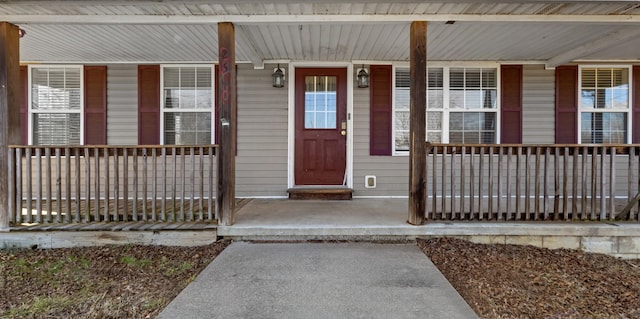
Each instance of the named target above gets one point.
<point>604,104</point>
<point>187,104</point>
<point>462,106</point>
<point>56,105</point>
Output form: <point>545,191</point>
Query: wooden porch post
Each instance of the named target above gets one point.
<point>417,129</point>
<point>226,127</point>
<point>9,109</point>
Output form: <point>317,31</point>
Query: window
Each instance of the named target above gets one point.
<point>56,104</point>
<point>604,105</point>
<point>187,105</point>
<point>320,102</point>
<point>462,106</point>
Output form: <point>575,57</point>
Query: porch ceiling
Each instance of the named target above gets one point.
<point>552,32</point>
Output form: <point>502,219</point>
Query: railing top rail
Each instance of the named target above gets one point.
<point>122,149</point>
<point>439,148</point>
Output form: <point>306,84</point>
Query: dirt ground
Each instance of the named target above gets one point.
<point>97,282</point>
<point>508,281</point>
<point>498,281</point>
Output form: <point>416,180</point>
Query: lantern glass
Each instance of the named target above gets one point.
<point>278,78</point>
<point>363,78</point>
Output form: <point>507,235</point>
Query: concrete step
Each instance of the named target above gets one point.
<point>322,193</point>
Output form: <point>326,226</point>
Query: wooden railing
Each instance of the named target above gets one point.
<point>112,183</point>
<point>531,182</point>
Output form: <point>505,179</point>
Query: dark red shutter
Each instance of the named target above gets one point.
<point>95,105</point>
<point>380,133</point>
<point>24,104</point>
<point>148,104</point>
<point>511,104</point>
<point>566,104</point>
<point>636,104</point>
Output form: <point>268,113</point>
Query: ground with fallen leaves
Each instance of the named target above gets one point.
<point>508,281</point>
<point>97,282</point>
<point>498,281</point>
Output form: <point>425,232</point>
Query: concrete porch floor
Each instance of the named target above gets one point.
<point>385,219</point>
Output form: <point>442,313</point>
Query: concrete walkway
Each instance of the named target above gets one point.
<point>319,280</point>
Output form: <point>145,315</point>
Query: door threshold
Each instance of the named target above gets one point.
<point>320,192</point>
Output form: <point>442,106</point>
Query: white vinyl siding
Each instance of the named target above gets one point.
<point>187,104</point>
<point>604,105</point>
<point>55,105</point>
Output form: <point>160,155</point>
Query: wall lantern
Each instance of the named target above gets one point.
<point>21,32</point>
<point>363,78</point>
<point>278,77</point>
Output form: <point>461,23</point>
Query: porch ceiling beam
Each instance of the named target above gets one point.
<point>249,48</point>
<point>196,2</point>
<point>594,46</point>
<point>310,18</point>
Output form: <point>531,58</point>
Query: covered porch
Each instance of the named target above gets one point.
<point>494,182</point>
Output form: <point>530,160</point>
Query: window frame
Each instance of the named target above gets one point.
<point>628,110</point>
<point>31,111</point>
<point>446,110</point>
<point>164,110</point>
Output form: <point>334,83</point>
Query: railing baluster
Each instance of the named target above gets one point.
<point>173,193</point>
<point>452,186</point>
<point>490,207</point>
<point>574,185</point>
<point>49,192</point>
<point>11,197</point>
<point>201,203</point>
<point>472,180</point>
<point>78,171</point>
<point>183,163</point>
<point>134,205</point>
<point>463,173</point>
<point>87,185</point>
<point>434,181</point>
<point>39,186</point>
<point>603,204</point>
<point>509,159</point>
<point>444,181</point>
<point>480,182</point>
<point>29,183</point>
<point>536,216</point>
<point>565,184</point>
<point>518,183</point>
<point>125,185</point>
<point>163,203</point>
<point>547,152</point>
<point>107,187</point>
<point>556,179</point>
<point>210,207</point>
<point>612,183</point>
<point>500,161</point>
<point>584,177</point>
<point>193,185</point>
<point>594,180</point>
<point>630,176</point>
<point>96,168</point>
<point>144,184</point>
<point>18,212</point>
<point>154,187</point>
<point>527,186</point>
<point>69,216</point>
<point>116,186</point>
<point>59,188</point>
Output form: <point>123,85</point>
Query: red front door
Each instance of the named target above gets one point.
<point>321,126</point>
